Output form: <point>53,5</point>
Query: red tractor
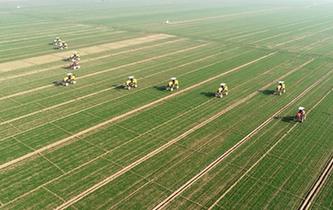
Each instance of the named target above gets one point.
<point>300,115</point>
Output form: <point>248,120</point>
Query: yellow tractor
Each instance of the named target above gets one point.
<point>173,84</point>
<point>281,88</point>
<point>131,83</point>
<point>70,79</point>
<point>223,90</point>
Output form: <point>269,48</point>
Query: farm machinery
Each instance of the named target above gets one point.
<point>281,88</point>
<point>173,84</point>
<point>223,90</point>
<point>70,79</point>
<point>300,115</point>
<point>131,83</point>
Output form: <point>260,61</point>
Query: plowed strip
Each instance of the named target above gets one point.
<point>8,66</point>
<point>90,60</point>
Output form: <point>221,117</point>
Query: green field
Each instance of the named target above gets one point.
<point>95,145</point>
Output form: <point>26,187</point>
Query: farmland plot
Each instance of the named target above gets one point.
<point>95,145</point>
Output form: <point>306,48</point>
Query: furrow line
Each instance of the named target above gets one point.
<point>306,204</point>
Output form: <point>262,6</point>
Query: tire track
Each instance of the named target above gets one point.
<point>276,143</point>
<point>134,111</point>
<point>314,191</point>
<point>302,37</point>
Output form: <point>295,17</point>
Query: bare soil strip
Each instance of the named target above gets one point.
<point>8,66</point>
<point>155,152</point>
<point>317,186</point>
<point>104,71</point>
<point>272,147</point>
<point>134,111</point>
<point>90,60</point>
<point>232,149</point>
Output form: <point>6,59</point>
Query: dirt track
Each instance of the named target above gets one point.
<point>44,59</point>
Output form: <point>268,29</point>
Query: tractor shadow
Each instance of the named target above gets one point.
<point>208,94</point>
<point>57,83</point>
<point>119,87</point>
<point>160,88</point>
<point>287,119</point>
<point>267,92</point>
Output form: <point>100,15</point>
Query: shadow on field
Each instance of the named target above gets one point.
<point>160,88</point>
<point>208,94</point>
<point>288,119</point>
<point>267,92</point>
<point>119,87</point>
<point>57,83</point>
